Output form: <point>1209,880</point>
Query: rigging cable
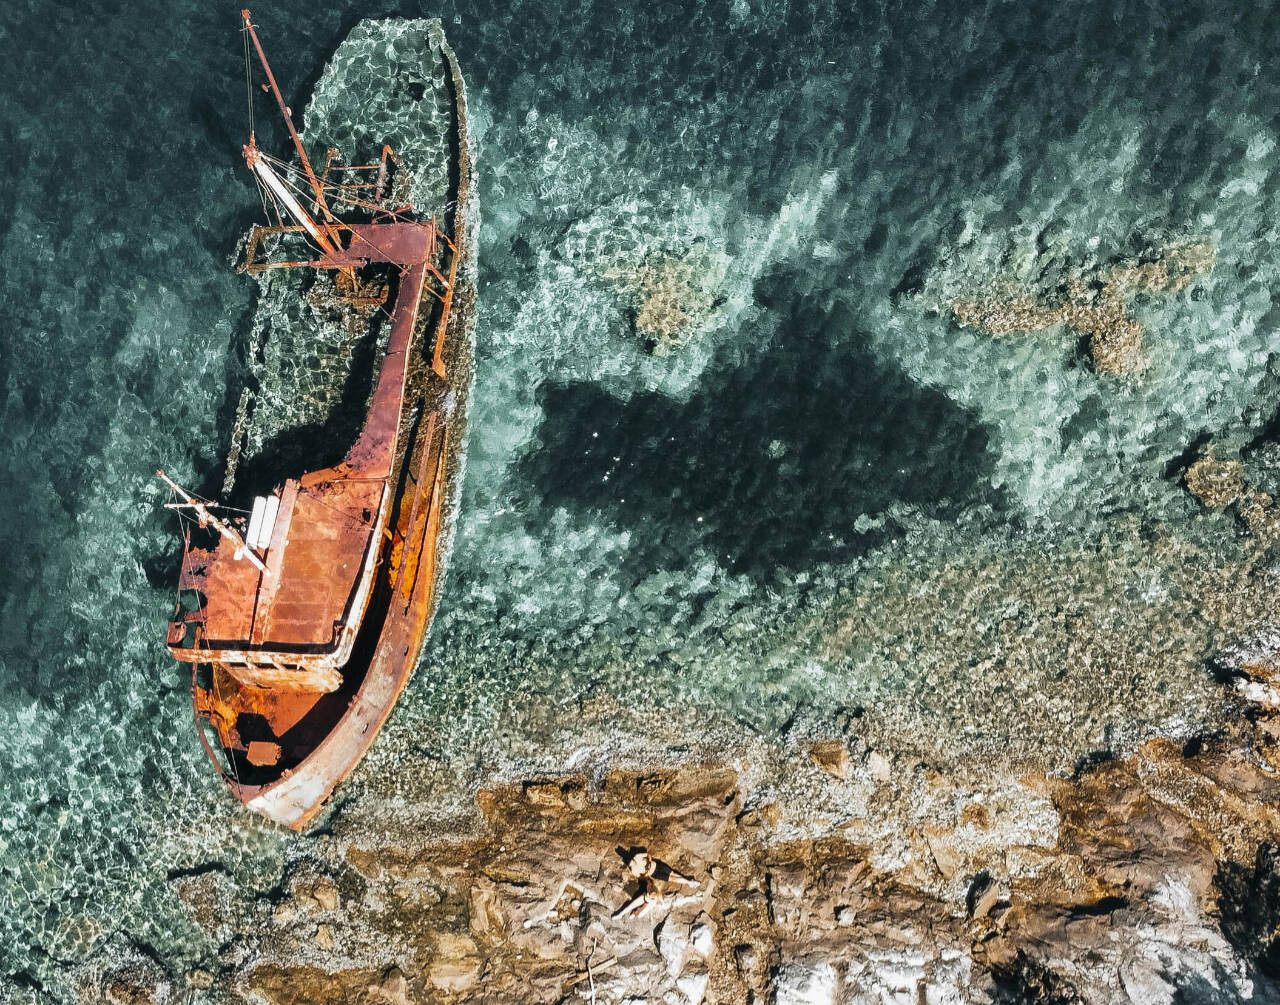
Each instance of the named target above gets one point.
<point>248,78</point>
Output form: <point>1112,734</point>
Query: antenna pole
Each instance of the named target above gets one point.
<point>208,518</point>
<point>288,121</point>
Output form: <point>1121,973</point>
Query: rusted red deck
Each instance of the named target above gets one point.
<point>304,610</point>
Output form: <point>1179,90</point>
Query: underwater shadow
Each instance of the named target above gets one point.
<point>770,463</point>
<point>300,449</point>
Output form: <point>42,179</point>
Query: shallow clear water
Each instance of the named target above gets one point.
<point>660,529</point>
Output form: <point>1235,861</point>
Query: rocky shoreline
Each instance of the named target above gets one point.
<point>1151,878</point>
<point>1090,813</point>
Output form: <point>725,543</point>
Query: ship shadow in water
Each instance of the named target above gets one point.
<point>297,450</point>
<point>770,466</point>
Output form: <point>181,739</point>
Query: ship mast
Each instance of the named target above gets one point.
<point>321,230</point>
<point>207,518</point>
<point>258,164</point>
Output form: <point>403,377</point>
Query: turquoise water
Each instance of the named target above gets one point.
<point>650,528</point>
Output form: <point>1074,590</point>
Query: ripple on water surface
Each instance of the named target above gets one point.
<point>823,494</point>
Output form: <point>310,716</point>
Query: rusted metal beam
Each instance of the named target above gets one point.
<point>207,518</point>
<point>288,121</point>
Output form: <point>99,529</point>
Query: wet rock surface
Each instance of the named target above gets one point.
<point>1220,485</point>
<point>1044,843</point>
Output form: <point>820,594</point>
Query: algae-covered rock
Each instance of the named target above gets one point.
<point>1092,302</point>
<point>1221,485</point>
<point>1214,482</point>
<point>672,295</point>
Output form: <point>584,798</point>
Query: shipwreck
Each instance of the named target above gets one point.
<point>303,611</point>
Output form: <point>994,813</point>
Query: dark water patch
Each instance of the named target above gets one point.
<point>772,462</point>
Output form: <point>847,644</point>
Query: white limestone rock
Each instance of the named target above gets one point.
<point>805,984</point>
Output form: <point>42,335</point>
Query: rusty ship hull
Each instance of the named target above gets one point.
<point>306,628</point>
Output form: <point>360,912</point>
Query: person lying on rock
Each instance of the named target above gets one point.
<point>642,865</point>
<point>653,874</point>
<point>638,906</point>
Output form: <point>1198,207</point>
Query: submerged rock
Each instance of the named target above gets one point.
<point>671,295</point>
<point>1220,485</point>
<point>1092,302</point>
<point>1215,483</point>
